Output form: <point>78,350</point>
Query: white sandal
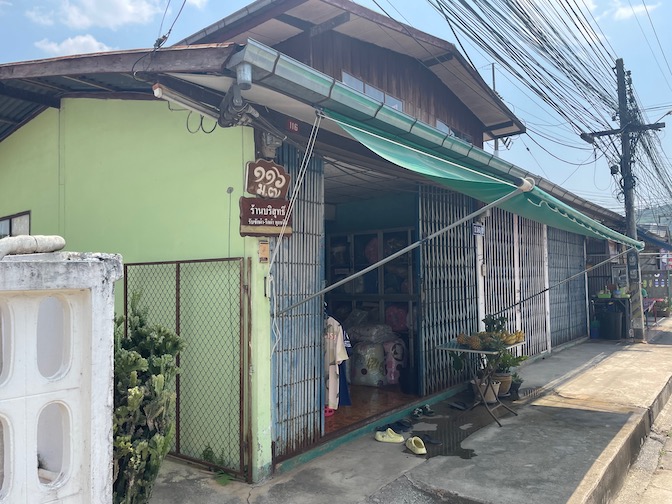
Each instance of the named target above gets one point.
<point>389,436</point>
<point>416,445</point>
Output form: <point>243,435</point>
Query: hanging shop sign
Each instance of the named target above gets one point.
<point>264,217</point>
<point>266,179</point>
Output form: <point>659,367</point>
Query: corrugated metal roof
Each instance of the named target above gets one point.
<point>651,239</point>
<point>27,88</point>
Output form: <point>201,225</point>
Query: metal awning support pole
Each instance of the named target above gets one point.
<point>526,186</point>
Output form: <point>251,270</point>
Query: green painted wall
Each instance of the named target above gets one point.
<point>128,177</point>
<point>160,191</point>
<point>29,173</point>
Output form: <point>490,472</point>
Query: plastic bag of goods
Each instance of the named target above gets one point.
<point>397,317</point>
<point>368,366</point>
<point>395,359</point>
<point>371,333</point>
<point>355,318</point>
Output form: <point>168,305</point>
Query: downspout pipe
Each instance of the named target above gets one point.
<point>29,244</point>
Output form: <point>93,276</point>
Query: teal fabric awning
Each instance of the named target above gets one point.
<point>473,181</point>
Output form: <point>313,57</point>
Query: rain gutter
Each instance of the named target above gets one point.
<point>278,71</point>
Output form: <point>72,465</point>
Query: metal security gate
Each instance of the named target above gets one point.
<point>533,283</point>
<point>597,252</point>
<point>515,277</point>
<point>568,303</point>
<point>203,301</point>
<point>447,284</point>
<point>297,335</point>
<point>502,287</point>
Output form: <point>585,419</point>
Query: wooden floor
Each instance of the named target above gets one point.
<point>367,402</point>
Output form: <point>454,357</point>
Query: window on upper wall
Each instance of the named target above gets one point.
<point>14,225</point>
<point>372,91</point>
<point>464,136</point>
<point>353,82</point>
<point>441,126</point>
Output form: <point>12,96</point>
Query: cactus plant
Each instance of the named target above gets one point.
<point>144,365</point>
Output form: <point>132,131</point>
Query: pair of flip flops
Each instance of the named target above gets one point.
<point>402,425</point>
<point>422,411</point>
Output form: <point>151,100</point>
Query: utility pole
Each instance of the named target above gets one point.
<point>634,273</point>
<point>627,128</point>
<point>495,90</point>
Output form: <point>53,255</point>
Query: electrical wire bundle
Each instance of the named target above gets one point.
<point>557,50</point>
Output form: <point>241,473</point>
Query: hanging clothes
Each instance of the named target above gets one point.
<point>344,386</point>
<point>335,353</point>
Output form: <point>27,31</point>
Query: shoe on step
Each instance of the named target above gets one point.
<point>416,445</point>
<point>427,411</point>
<point>388,436</point>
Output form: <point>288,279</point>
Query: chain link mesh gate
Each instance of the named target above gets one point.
<point>203,301</point>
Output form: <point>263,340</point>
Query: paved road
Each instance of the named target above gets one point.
<point>649,480</point>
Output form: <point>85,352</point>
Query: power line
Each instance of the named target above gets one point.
<point>423,46</point>
<point>506,33</point>
<point>558,51</point>
<point>648,43</point>
<point>648,15</point>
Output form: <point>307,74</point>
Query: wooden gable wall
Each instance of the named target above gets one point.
<point>403,77</point>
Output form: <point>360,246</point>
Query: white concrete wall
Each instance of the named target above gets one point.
<point>56,370</point>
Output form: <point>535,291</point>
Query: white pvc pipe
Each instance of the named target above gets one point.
<point>29,244</point>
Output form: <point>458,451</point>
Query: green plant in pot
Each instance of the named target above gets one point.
<point>516,382</point>
<point>503,363</point>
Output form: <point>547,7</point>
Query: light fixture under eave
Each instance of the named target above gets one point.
<point>164,93</point>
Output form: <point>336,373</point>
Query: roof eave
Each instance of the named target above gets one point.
<point>484,97</point>
<point>207,58</point>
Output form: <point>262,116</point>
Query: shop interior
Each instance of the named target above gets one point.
<point>369,215</point>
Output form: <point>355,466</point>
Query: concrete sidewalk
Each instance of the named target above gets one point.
<point>588,411</point>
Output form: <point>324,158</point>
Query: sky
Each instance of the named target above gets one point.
<point>635,29</point>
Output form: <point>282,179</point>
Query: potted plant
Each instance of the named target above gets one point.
<point>516,382</point>
<point>503,364</point>
<point>496,342</point>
